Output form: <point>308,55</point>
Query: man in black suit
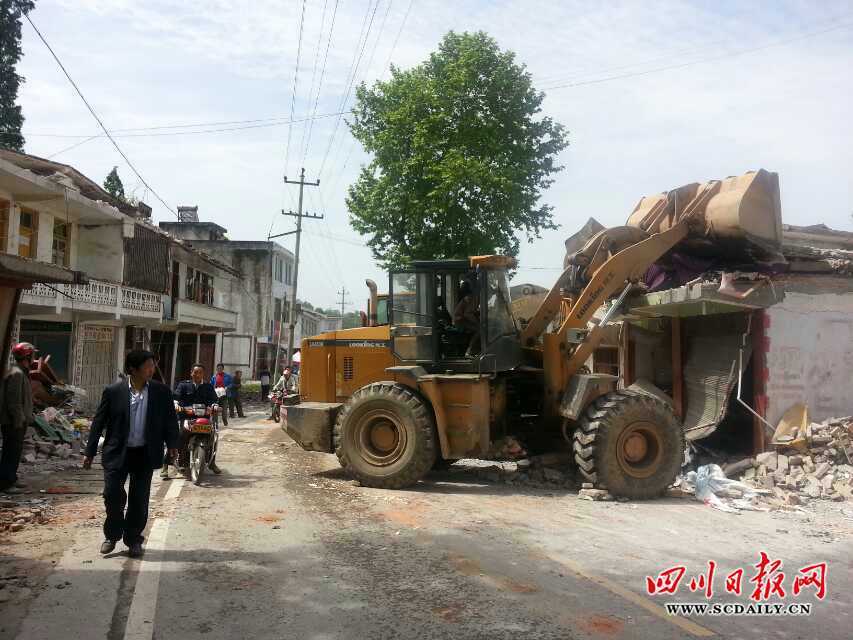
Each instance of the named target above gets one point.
<point>137,418</point>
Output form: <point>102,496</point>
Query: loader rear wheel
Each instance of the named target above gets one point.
<point>630,443</point>
<point>385,436</point>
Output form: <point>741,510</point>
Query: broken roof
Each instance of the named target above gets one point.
<point>67,175</point>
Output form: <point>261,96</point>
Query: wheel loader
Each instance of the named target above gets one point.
<point>393,401</point>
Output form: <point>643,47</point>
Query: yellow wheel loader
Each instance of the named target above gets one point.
<point>395,400</point>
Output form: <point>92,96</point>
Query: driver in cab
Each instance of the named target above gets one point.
<point>188,393</point>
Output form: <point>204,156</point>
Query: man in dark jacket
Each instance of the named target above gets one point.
<point>16,414</point>
<point>137,418</point>
<point>187,393</point>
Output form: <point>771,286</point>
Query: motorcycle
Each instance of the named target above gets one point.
<point>202,440</point>
<point>279,398</point>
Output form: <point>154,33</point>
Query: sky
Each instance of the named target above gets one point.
<point>654,95</point>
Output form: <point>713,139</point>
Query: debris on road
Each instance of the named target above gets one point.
<point>812,461</point>
<point>712,487</point>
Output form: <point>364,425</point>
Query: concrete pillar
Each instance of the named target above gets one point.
<point>198,347</point>
<point>174,359</point>
<point>118,348</point>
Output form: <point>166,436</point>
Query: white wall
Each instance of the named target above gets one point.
<point>810,355</point>
<point>100,252</point>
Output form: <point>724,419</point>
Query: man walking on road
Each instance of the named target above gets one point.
<point>16,414</point>
<point>137,418</point>
<point>221,381</point>
<point>235,403</point>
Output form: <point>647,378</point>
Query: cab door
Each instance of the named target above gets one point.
<point>410,308</point>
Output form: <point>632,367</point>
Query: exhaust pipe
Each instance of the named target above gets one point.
<point>374,303</point>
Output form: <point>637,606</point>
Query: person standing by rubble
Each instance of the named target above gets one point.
<point>137,418</point>
<point>221,380</point>
<point>16,414</point>
<point>265,376</point>
<point>235,404</point>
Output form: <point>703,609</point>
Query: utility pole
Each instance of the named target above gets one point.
<point>298,215</point>
<point>343,294</point>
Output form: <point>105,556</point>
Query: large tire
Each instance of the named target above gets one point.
<point>385,436</point>
<point>631,443</point>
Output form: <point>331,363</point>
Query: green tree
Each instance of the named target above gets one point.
<point>114,186</point>
<point>460,152</point>
<point>11,117</point>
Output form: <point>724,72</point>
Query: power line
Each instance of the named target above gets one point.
<point>320,85</point>
<point>397,39</point>
<point>363,79</point>
<point>351,79</point>
<point>97,119</point>
<point>295,83</point>
<point>73,146</point>
<point>682,65</point>
<point>314,74</point>
<point>266,123</point>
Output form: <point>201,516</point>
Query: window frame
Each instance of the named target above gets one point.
<point>32,236</point>
<point>66,240</point>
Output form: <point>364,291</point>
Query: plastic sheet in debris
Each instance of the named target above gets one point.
<point>712,487</point>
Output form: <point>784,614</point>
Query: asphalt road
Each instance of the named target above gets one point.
<point>283,545</point>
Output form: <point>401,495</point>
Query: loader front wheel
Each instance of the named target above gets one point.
<point>630,443</point>
<point>385,436</point>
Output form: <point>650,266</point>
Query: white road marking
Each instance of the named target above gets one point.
<point>174,489</point>
<point>143,606</point>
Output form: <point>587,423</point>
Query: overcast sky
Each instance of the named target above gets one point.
<point>771,87</point>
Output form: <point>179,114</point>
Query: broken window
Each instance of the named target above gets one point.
<point>28,234</point>
<point>60,243</point>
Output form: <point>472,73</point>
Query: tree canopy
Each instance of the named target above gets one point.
<point>11,117</point>
<point>114,186</point>
<point>460,152</point>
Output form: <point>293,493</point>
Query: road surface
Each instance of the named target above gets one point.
<point>284,545</point>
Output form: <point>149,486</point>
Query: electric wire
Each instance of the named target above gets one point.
<point>98,119</point>
<point>682,65</point>
<point>295,85</point>
<point>357,62</point>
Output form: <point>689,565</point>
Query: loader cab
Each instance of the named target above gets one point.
<point>422,300</point>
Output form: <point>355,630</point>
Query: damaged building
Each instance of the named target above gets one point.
<point>733,345</point>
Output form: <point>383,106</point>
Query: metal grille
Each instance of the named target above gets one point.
<point>710,375</point>
<point>96,364</point>
<point>348,368</point>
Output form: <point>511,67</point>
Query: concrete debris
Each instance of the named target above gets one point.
<point>17,514</point>
<point>595,494</point>
<point>821,467</point>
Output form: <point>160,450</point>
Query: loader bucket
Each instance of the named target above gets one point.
<point>737,217</point>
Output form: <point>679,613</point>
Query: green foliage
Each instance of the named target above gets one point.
<point>114,186</point>
<point>460,156</point>
<point>11,117</point>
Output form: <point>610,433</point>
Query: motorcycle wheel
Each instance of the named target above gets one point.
<point>197,463</point>
<point>276,412</point>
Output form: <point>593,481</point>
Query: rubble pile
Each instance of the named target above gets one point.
<point>16,514</point>
<point>546,470</point>
<point>814,463</point>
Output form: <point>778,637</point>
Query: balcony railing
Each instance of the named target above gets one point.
<point>202,315</point>
<point>105,297</point>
